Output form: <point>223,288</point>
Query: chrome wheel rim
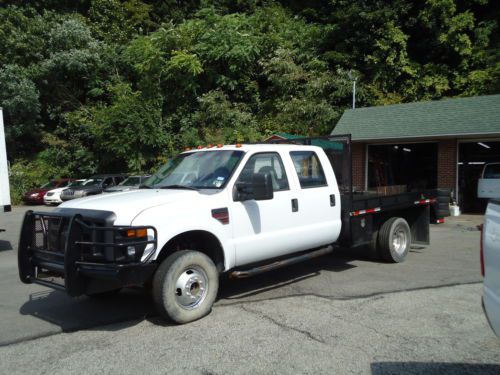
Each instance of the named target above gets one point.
<point>191,288</point>
<point>399,241</point>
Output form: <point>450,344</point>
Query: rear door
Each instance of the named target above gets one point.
<point>318,199</point>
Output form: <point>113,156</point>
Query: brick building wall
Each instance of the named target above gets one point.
<point>447,164</point>
<point>358,165</point>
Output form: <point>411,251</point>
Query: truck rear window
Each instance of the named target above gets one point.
<point>492,171</point>
<point>308,168</point>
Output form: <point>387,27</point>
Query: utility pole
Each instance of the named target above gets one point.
<point>353,78</point>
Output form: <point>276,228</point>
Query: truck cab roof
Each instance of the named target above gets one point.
<point>259,147</point>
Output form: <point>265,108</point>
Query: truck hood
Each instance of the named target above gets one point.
<point>128,204</point>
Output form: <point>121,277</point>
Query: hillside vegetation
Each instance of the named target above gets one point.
<point>110,85</point>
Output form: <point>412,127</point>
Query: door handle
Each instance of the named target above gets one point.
<point>332,200</point>
<point>295,205</point>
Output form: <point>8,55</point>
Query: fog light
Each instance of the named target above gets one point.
<point>131,251</point>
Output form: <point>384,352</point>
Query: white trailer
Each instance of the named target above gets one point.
<point>4,171</point>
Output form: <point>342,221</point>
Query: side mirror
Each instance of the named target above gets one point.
<point>261,188</point>
<point>262,184</point>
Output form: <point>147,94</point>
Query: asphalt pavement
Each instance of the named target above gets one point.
<point>341,313</point>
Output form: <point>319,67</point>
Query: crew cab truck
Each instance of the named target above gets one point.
<point>236,210</point>
<point>490,264</point>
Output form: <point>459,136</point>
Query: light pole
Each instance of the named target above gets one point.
<point>353,78</point>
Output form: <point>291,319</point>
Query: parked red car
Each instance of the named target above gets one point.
<point>35,196</point>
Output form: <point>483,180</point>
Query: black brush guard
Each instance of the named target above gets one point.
<point>82,252</point>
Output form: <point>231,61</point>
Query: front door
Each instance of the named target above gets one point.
<point>264,229</point>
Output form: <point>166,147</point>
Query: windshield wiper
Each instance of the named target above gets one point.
<point>144,186</point>
<point>178,187</point>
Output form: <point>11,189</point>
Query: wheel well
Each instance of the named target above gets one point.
<point>202,241</point>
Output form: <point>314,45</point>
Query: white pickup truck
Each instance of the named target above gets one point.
<point>488,185</point>
<point>490,264</point>
<point>236,210</point>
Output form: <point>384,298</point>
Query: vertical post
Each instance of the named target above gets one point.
<point>354,94</point>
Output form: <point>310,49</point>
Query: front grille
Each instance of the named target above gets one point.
<point>49,233</point>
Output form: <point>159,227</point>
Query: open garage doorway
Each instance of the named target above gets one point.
<point>409,166</point>
<point>472,156</point>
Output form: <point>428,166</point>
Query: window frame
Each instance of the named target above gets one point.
<point>282,165</point>
<point>319,163</point>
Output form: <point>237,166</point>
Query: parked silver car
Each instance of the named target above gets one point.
<point>130,183</point>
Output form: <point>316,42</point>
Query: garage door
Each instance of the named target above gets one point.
<point>472,156</point>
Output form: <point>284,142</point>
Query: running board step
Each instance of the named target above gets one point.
<point>242,274</point>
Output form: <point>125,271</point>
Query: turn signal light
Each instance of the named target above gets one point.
<point>137,232</point>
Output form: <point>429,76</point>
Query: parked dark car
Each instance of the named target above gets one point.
<point>130,183</point>
<point>35,196</point>
<point>94,185</point>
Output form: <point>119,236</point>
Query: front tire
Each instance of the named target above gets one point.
<point>394,240</point>
<point>185,286</point>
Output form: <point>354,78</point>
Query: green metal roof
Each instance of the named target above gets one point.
<point>288,135</point>
<point>474,116</point>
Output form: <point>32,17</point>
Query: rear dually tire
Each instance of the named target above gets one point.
<point>394,240</point>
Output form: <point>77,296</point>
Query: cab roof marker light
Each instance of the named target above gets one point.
<point>199,147</point>
<point>210,145</point>
<point>219,145</point>
<point>238,145</point>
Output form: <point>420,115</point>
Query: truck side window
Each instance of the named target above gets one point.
<point>308,169</point>
<point>268,162</point>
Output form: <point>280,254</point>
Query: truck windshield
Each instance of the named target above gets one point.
<point>198,170</point>
<point>492,171</point>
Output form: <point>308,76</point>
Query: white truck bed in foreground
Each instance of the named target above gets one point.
<point>490,263</point>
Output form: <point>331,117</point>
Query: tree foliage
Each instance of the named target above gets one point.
<point>119,85</point>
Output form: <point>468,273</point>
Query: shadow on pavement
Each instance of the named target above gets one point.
<point>72,314</point>
<point>433,368</point>
<point>5,245</point>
